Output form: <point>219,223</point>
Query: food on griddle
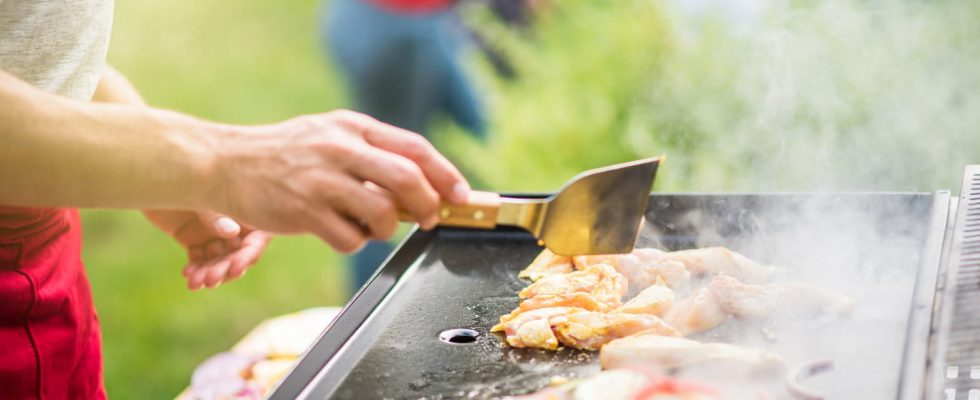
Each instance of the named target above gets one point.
<point>626,384</point>
<point>590,330</point>
<point>532,328</point>
<point>635,308</point>
<point>574,327</point>
<point>615,384</point>
<point>758,301</point>
<point>712,261</point>
<point>597,288</point>
<point>642,268</point>
<point>676,268</point>
<point>699,312</point>
<point>724,296</point>
<point>546,264</point>
<point>655,299</point>
<point>674,352</point>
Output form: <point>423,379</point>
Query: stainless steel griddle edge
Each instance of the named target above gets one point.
<point>955,346</point>
<point>344,327</point>
<point>915,360</point>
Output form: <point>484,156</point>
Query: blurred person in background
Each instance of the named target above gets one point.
<point>402,61</point>
<point>215,188</point>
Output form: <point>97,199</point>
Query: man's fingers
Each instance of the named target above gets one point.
<point>218,224</point>
<point>191,266</point>
<point>404,180</point>
<point>340,233</point>
<point>195,278</point>
<point>444,177</point>
<point>216,272</point>
<point>203,227</point>
<point>253,244</point>
<point>196,255</point>
<point>372,207</point>
<point>215,249</point>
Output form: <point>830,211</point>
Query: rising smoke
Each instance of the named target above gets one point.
<point>839,95</point>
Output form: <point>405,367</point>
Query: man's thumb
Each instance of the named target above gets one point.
<point>220,224</point>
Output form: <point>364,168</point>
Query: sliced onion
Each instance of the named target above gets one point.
<point>807,370</point>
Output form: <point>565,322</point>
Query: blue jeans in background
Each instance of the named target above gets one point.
<point>402,69</point>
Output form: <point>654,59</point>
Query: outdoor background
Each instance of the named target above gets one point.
<point>741,95</point>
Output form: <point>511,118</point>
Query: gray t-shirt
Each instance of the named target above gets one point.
<point>57,45</point>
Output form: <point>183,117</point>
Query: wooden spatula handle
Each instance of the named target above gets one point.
<point>480,211</point>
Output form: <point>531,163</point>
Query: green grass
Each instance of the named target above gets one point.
<point>244,61</point>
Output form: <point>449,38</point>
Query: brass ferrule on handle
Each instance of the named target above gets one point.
<point>480,211</point>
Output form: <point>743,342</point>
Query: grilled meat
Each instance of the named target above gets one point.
<point>655,300</point>
<point>699,312</point>
<point>532,328</point>
<point>757,301</point>
<point>641,268</point>
<point>597,288</point>
<point>625,384</point>
<point>590,330</point>
<point>664,352</point>
<point>712,261</point>
<point>547,264</point>
<point>573,327</point>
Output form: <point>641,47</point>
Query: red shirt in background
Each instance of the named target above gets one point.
<point>413,6</point>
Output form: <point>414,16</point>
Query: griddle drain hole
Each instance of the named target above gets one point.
<point>459,336</point>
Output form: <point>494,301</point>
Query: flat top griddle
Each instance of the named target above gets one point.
<point>880,248</point>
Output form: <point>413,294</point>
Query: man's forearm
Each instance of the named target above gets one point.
<point>61,152</point>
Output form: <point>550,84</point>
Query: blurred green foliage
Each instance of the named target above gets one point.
<point>244,62</point>
<point>840,94</point>
<point>829,95</point>
<point>601,83</point>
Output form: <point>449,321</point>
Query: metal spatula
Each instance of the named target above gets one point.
<point>597,212</point>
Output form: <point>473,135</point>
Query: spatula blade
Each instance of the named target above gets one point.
<point>600,210</point>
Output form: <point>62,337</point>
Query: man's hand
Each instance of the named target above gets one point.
<point>341,175</point>
<point>218,248</point>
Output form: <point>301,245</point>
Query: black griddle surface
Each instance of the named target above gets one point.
<point>457,278</point>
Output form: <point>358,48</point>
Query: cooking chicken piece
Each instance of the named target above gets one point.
<point>586,301</point>
<point>655,300</point>
<point>641,268</point>
<point>597,288</point>
<point>590,330</point>
<point>699,312</point>
<point>630,384</point>
<point>626,384</point>
<point>643,265</point>
<point>532,328</point>
<point>711,261</point>
<point>710,306</point>
<point>756,301</point>
<point>574,327</point>
<point>615,384</point>
<point>548,393</point>
<point>545,264</point>
<point>665,352</point>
